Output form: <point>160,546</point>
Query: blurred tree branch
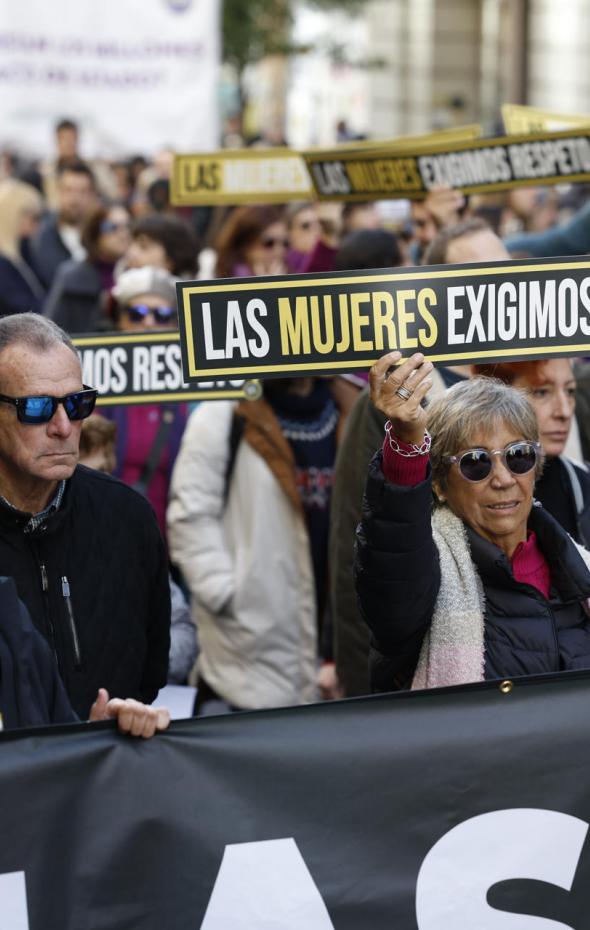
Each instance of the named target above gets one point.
<point>253,29</point>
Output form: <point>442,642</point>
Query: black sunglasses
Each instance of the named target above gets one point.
<point>270,242</point>
<point>161,314</point>
<point>476,464</point>
<point>109,226</point>
<point>40,408</point>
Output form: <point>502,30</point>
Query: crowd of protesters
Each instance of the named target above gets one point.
<point>257,503</point>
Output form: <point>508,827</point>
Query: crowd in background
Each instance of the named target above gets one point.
<point>258,501</point>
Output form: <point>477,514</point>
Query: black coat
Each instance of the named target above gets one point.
<point>564,490</point>
<point>113,631</point>
<point>48,250</point>
<point>20,292</point>
<point>31,691</point>
<point>74,301</point>
<point>398,579</point>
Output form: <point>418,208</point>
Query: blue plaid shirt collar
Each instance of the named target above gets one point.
<point>37,519</point>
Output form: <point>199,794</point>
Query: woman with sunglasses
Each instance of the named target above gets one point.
<point>148,435</point>
<point>77,298</point>
<point>252,241</point>
<point>564,487</point>
<point>460,576</point>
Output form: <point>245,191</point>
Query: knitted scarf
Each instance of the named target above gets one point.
<point>452,652</point>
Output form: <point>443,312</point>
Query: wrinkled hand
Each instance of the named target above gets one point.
<point>328,684</point>
<point>132,717</point>
<point>408,417</point>
<point>444,204</point>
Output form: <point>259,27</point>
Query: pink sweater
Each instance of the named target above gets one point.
<point>529,565</point>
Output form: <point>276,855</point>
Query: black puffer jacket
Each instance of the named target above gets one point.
<point>104,547</point>
<point>398,578</point>
<point>31,692</point>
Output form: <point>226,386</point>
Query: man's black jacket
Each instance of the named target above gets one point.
<point>103,547</point>
<point>31,691</point>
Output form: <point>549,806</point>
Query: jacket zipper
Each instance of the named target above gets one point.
<point>65,590</point>
<point>45,589</point>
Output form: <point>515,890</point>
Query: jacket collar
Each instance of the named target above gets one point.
<point>569,574</point>
<point>15,520</point>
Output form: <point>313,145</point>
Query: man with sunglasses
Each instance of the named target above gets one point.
<point>84,550</point>
<point>486,584</point>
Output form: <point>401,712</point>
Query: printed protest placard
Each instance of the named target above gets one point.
<point>478,166</point>
<point>519,119</point>
<point>337,322</point>
<point>146,369</point>
<point>235,176</point>
<point>275,175</point>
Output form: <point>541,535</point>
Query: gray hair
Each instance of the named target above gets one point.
<point>33,331</point>
<point>467,407</point>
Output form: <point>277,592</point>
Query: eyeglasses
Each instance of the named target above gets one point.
<point>476,464</point>
<point>139,312</point>
<point>270,242</point>
<point>109,226</point>
<point>40,408</point>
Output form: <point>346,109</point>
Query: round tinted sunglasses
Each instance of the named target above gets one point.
<point>270,242</point>
<point>161,314</point>
<point>476,464</point>
<point>41,407</point>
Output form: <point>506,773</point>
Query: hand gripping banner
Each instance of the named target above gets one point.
<point>324,324</point>
<point>459,808</point>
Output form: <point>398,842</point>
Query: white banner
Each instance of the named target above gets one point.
<point>137,75</point>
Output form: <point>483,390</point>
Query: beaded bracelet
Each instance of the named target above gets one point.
<point>415,450</point>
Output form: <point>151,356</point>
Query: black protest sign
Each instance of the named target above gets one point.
<point>146,369</point>
<point>338,322</point>
<point>460,808</point>
<point>478,166</point>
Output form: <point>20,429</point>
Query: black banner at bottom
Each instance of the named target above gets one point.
<point>462,808</point>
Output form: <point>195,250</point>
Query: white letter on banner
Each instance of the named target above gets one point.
<point>265,884</point>
<point>13,901</point>
<point>258,350</point>
<point>454,314</point>
<point>211,352</point>
<point>521,843</point>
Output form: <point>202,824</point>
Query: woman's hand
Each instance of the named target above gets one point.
<point>408,418</point>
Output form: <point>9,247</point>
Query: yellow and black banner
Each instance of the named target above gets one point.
<point>146,369</point>
<point>273,175</point>
<point>235,176</point>
<point>337,322</point>
<point>519,119</point>
<point>478,166</point>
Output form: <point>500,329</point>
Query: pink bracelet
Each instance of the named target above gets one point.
<point>415,450</point>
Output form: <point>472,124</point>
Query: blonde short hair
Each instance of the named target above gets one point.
<point>456,416</point>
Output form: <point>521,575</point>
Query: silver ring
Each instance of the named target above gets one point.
<point>403,393</point>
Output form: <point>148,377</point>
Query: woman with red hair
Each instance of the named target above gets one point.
<point>564,487</point>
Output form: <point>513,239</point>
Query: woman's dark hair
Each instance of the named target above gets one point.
<point>92,228</point>
<point>242,228</point>
<point>368,248</point>
<point>177,238</point>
